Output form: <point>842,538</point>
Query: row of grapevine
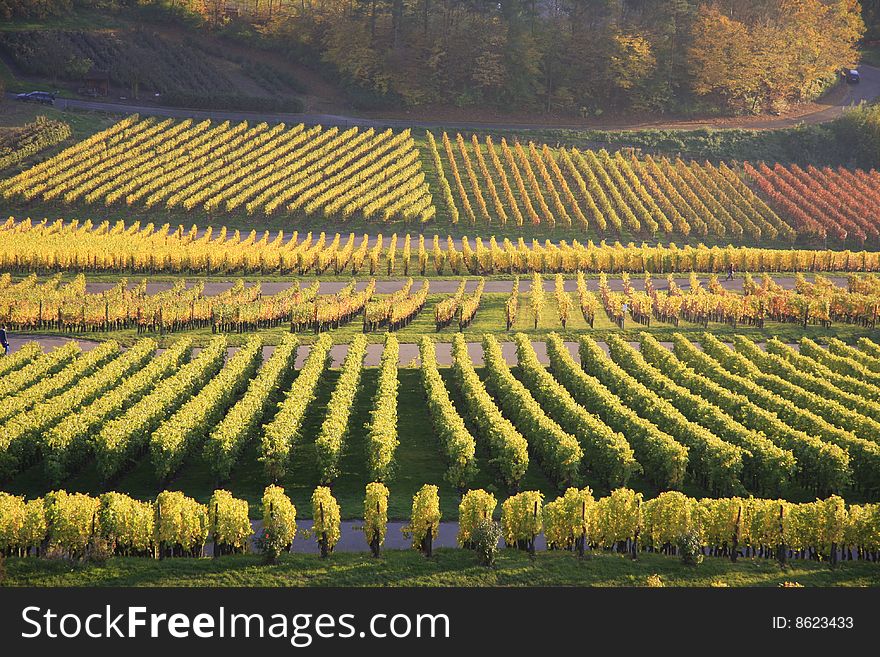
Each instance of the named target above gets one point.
<point>820,466</point>
<point>602,191</point>
<point>470,305</point>
<point>181,433</point>
<point>607,454</point>
<point>69,439</point>
<point>864,455</point>
<point>447,309</point>
<point>713,462</point>
<point>123,439</point>
<point>50,375</point>
<point>81,382</point>
<point>28,246</point>
<point>772,362</point>
<point>508,447</point>
<point>558,451</point>
<point>224,167</point>
<point>279,438</point>
<point>224,444</point>
<point>662,458</point>
<point>44,418</point>
<point>174,524</point>
<point>382,441</point>
<point>331,438</point>
<point>767,468</point>
<point>858,416</point>
<point>458,445</point>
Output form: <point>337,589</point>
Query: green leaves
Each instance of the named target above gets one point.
<point>382,439</point>
<point>664,460</point>
<point>607,453</point>
<point>226,440</point>
<point>458,444</point>
<point>716,463</point>
<point>508,447</point>
<point>559,452</point>
<point>280,436</point>
<point>331,439</point>
<point>126,436</point>
<point>179,434</point>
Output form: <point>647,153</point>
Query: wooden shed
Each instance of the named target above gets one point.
<point>97,83</point>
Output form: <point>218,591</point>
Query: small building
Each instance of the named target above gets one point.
<point>97,83</point>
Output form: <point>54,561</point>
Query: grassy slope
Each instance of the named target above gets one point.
<point>447,568</point>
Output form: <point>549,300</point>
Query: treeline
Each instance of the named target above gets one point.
<point>580,57</point>
<point>573,57</point>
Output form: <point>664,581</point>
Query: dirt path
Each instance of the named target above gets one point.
<point>409,352</point>
<point>450,285</point>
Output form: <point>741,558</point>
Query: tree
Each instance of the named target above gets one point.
<point>756,58</point>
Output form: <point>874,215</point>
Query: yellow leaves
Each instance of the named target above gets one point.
<point>508,447</point>
<point>458,444</point>
<point>331,439</point>
<point>228,520</point>
<point>632,60</point>
<point>569,518</point>
<point>177,435</point>
<point>425,518</point>
<point>180,522</point>
<point>180,164</point>
<point>383,417</point>
<point>475,506</point>
<point>782,54</point>
<point>280,436</point>
<point>325,511</point>
<point>375,512</point>
<point>279,516</point>
<point>127,523</point>
<point>72,519</point>
<point>522,517</point>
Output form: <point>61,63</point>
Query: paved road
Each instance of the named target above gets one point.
<point>821,111</point>
<point>352,538</point>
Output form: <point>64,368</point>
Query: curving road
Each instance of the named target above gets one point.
<point>826,109</point>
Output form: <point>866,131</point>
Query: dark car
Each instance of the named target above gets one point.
<point>43,97</point>
<point>852,76</point>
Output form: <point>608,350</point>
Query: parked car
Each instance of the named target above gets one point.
<point>852,76</point>
<point>43,97</point>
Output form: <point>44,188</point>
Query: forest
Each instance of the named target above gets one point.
<point>572,57</point>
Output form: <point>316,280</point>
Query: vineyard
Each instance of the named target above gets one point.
<point>74,246</point>
<point>707,416</point>
<point>144,63</point>
<point>18,144</point>
<point>608,390</point>
<point>80,306</point>
<point>258,169</point>
<point>595,190</point>
<point>298,175</point>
